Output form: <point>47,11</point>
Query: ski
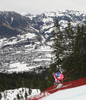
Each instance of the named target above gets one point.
<point>60,86</point>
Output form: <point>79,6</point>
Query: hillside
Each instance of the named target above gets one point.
<point>72,90</point>
<point>25,40</point>
<point>20,93</point>
<point>78,93</point>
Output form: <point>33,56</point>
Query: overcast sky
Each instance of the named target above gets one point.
<point>40,6</point>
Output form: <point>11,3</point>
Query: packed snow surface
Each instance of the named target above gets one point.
<point>78,93</point>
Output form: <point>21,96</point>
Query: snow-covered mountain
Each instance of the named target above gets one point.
<point>25,40</point>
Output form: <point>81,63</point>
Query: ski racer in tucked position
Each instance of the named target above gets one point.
<point>58,77</point>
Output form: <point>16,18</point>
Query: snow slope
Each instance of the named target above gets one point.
<point>13,94</point>
<point>77,93</point>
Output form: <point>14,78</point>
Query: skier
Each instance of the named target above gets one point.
<point>58,77</point>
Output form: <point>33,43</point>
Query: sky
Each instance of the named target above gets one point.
<point>40,6</point>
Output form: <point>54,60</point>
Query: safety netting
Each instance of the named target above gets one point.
<point>53,89</point>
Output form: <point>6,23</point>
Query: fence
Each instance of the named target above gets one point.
<point>66,85</point>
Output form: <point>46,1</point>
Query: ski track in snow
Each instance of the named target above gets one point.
<point>78,93</point>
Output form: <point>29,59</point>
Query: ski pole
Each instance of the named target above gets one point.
<point>67,75</point>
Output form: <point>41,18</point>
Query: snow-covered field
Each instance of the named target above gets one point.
<point>18,94</point>
<point>24,57</point>
<point>78,93</point>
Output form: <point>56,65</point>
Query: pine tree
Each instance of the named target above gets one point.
<point>58,52</point>
<point>76,59</point>
<point>18,97</point>
<point>50,77</point>
<point>69,38</point>
<point>30,91</point>
<point>0,96</point>
<point>58,44</point>
<point>1,87</point>
<point>69,49</point>
<point>68,60</point>
<point>80,51</point>
<point>26,94</point>
<point>23,82</point>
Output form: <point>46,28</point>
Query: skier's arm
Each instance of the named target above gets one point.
<point>56,79</point>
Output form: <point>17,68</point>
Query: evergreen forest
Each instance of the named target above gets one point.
<point>69,50</point>
<point>69,53</point>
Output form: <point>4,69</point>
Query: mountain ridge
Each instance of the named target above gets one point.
<point>25,41</point>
